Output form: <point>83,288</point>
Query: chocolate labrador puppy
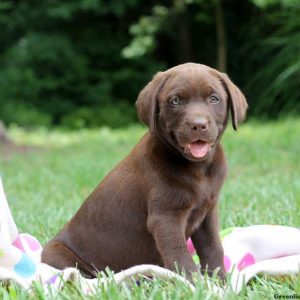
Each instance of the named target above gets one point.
<point>166,189</point>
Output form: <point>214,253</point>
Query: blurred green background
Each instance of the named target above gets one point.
<point>81,63</point>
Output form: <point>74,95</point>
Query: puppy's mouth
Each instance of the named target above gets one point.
<point>194,149</point>
<point>198,149</point>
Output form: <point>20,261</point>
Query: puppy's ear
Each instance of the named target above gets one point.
<point>147,101</point>
<point>237,101</point>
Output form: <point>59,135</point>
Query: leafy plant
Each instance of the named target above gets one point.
<point>276,82</point>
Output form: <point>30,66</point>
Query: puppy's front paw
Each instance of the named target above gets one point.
<point>222,276</point>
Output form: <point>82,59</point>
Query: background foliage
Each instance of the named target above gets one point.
<point>81,63</point>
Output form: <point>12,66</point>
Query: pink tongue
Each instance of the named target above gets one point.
<point>199,149</point>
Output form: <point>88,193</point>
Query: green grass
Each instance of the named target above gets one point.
<point>47,185</point>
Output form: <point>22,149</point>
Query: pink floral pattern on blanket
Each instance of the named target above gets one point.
<point>27,242</point>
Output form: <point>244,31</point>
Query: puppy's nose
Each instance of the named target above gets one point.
<point>199,124</point>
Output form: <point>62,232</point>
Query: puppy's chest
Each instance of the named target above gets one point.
<point>199,195</point>
<point>197,215</point>
<point>205,197</point>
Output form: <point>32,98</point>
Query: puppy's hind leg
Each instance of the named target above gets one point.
<point>59,256</point>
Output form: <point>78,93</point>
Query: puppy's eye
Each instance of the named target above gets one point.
<point>175,100</point>
<point>214,98</point>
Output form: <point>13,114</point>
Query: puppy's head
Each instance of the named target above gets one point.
<point>188,106</point>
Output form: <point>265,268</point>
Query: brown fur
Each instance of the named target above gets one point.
<point>159,195</point>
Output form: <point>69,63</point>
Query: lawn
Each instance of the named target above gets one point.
<point>47,181</point>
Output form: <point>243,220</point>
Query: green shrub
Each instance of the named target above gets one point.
<point>276,81</point>
<point>25,115</point>
<point>119,115</point>
<point>75,63</point>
